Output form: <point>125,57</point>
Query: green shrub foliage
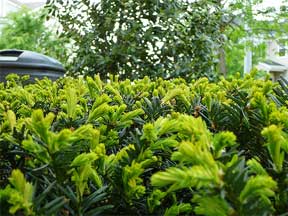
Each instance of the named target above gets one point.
<point>133,39</point>
<point>85,147</point>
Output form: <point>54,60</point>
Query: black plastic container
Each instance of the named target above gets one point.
<point>23,62</point>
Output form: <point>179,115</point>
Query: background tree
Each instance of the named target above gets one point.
<point>26,30</point>
<point>254,26</point>
<point>168,38</point>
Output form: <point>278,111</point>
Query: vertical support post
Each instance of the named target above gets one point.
<point>247,61</point>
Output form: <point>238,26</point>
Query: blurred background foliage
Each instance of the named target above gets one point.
<point>26,30</point>
<point>155,38</point>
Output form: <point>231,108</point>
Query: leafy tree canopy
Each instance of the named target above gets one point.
<point>166,38</point>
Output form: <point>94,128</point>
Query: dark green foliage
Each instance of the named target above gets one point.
<point>281,92</point>
<point>169,38</point>
<point>86,147</point>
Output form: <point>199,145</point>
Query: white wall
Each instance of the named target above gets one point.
<point>7,6</point>
<point>11,7</point>
<point>2,5</point>
<point>2,12</point>
<point>272,48</point>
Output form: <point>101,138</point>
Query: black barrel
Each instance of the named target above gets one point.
<point>24,62</point>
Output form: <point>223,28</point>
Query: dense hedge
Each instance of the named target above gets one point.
<point>84,147</point>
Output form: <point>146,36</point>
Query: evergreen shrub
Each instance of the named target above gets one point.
<point>85,147</point>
